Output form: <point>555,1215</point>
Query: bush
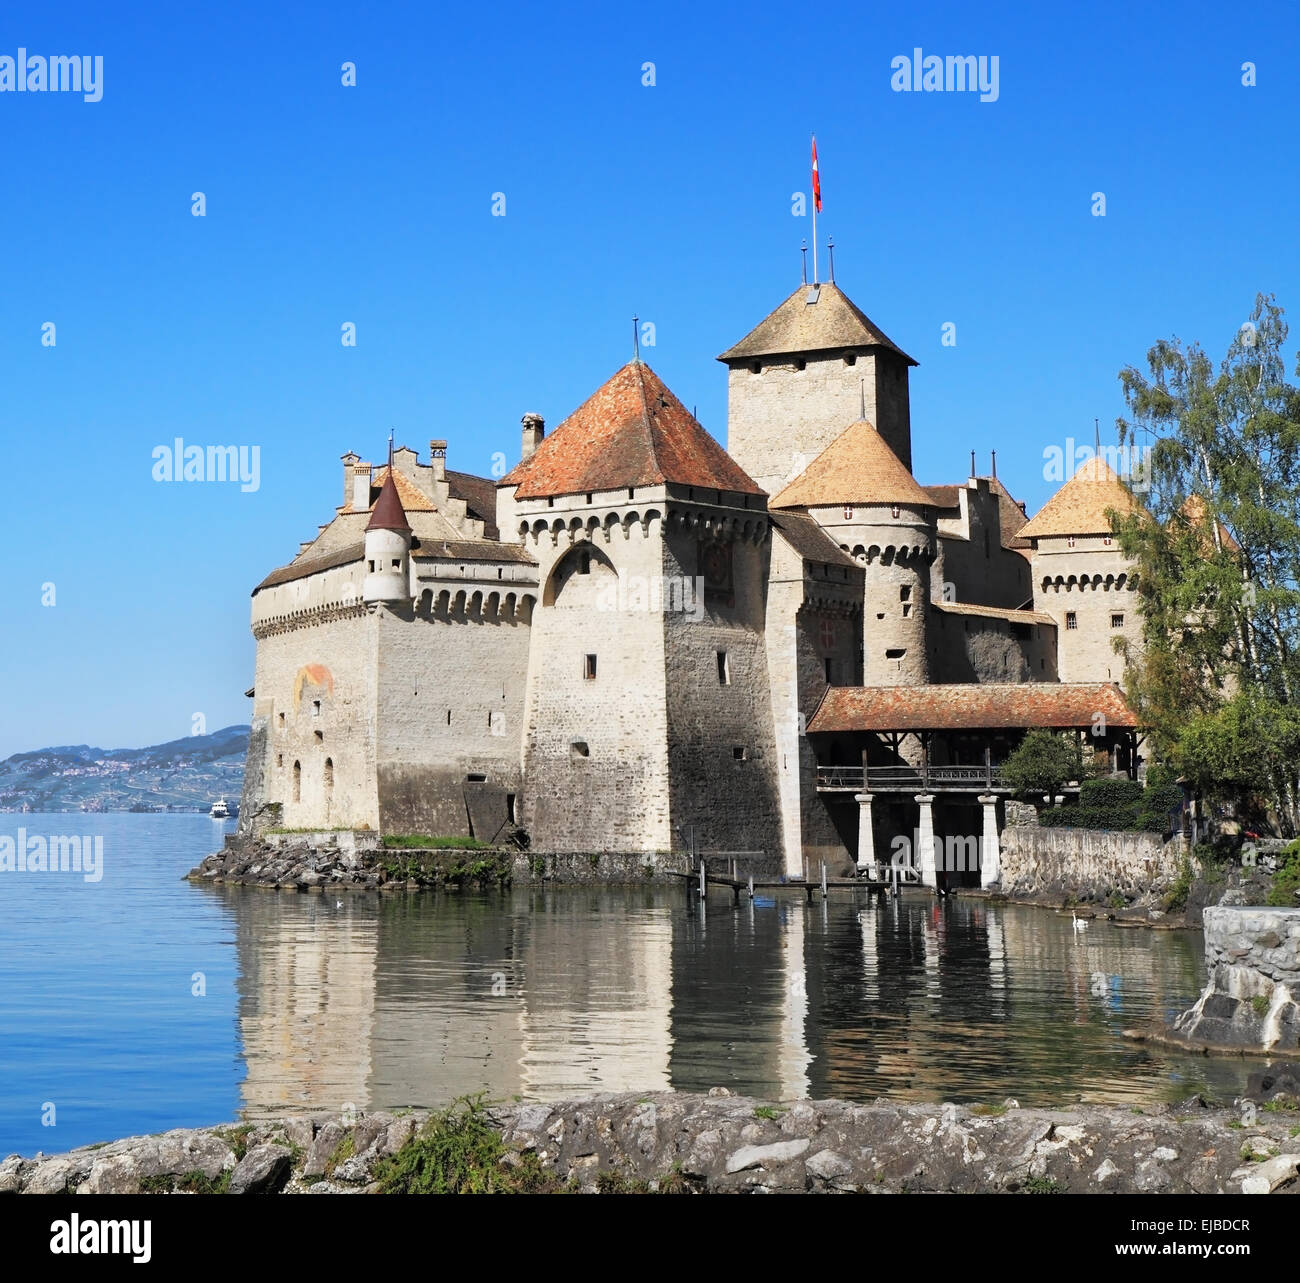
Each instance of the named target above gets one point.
<point>1110,792</point>
<point>1286,881</point>
<point>1042,763</point>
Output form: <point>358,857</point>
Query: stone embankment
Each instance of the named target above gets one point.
<point>359,861</point>
<point>718,1143</point>
<point>1252,998</point>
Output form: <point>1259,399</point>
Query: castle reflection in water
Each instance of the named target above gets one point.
<point>391,1001</point>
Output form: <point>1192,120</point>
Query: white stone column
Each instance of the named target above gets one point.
<point>925,841</point>
<point>990,851</point>
<point>866,832</point>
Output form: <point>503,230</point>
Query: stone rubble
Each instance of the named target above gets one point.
<point>719,1143</point>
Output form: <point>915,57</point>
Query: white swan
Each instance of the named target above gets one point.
<point>1080,924</point>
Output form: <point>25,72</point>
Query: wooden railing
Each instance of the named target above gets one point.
<point>904,777</point>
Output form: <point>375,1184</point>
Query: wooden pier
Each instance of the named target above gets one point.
<point>701,878</point>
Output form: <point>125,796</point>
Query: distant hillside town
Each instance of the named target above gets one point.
<point>181,775</point>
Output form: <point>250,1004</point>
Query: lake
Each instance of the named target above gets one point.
<point>140,1002</point>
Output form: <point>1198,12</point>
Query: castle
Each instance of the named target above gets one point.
<point>637,641</point>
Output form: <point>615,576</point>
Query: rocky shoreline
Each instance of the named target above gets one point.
<point>718,1143</point>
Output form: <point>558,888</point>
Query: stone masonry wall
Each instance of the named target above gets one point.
<point>782,418</point>
<point>1086,864</point>
<point>1085,652</point>
<point>451,700</point>
<point>1252,997</point>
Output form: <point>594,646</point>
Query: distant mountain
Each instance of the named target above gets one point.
<point>185,775</point>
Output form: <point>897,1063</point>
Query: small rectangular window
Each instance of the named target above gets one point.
<point>282,721</point>
<point>895,654</point>
<point>589,667</point>
<point>1117,621</point>
<point>724,669</point>
<point>475,777</point>
<point>279,759</point>
<point>315,708</point>
<point>904,592</point>
<point>739,753</point>
<point>1071,619</point>
<point>320,737</point>
<point>907,610</point>
<point>827,663</point>
<point>510,807</point>
<point>579,749</point>
<point>397,565</point>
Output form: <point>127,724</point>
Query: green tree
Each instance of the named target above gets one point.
<point>1041,763</point>
<point>1217,560</point>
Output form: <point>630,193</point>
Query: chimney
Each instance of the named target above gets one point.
<point>360,487</point>
<point>349,460</point>
<point>534,431</point>
<point>438,459</point>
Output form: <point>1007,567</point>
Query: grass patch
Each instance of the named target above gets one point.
<point>1041,1185</point>
<point>1175,899</point>
<point>988,1111</point>
<point>770,1112</point>
<point>197,1183</point>
<point>431,842</point>
<point>156,1185</point>
<point>1261,1005</point>
<point>458,1151</point>
<point>237,1138</point>
<point>345,1149</point>
<point>1280,1106</point>
<point>1236,1124</point>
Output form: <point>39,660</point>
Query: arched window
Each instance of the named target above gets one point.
<point>297,781</point>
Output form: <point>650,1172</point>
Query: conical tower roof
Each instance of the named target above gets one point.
<point>631,432</point>
<point>1079,507</point>
<point>388,513</point>
<point>815,318</point>
<point>858,467</point>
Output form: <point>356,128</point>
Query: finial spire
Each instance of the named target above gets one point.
<point>972,465</point>
<point>636,339</point>
<point>862,398</point>
<point>995,464</point>
<point>803,253</point>
<point>830,251</point>
<point>1096,431</point>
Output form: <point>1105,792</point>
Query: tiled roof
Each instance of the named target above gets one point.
<point>388,513</point>
<point>471,550</point>
<point>1055,706</point>
<point>810,541</point>
<point>1079,507</point>
<point>631,432</point>
<point>857,467</point>
<point>944,496</point>
<point>413,498</point>
<point>312,566</point>
<point>1011,515</point>
<point>1194,510</point>
<point>993,612</point>
<point>479,495</point>
<point>831,323</point>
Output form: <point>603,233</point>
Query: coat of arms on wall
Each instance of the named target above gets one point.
<point>716,572</point>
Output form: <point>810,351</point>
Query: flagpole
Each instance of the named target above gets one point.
<point>814,205</point>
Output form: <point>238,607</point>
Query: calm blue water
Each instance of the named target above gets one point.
<point>314,1001</point>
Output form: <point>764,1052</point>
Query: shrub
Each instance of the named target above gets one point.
<point>1286,881</point>
<point>1042,763</point>
<point>1110,792</point>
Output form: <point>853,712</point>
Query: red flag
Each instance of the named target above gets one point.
<point>817,182</point>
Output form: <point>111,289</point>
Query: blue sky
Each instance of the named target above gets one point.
<point>372,205</point>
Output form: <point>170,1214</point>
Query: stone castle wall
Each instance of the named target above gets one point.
<point>1252,998</point>
<point>780,419</point>
<point>450,694</point>
<point>1087,864</point>
<point>978,648</point>
<point>1093,582</point>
